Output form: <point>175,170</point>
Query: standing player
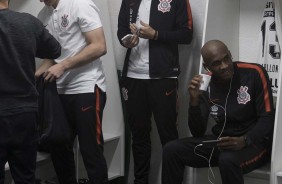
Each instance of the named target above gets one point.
<point>151,67</point>
<point>81,84</point>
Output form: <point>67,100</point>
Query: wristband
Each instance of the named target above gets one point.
<point>155,35</point>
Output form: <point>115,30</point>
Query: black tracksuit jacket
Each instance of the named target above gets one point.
<point>174,27</point>
<point>249,106</point>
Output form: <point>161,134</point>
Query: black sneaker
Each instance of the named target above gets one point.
<point>83,181</point>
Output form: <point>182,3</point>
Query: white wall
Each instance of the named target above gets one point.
<point>250,20</point>
<point>222,23</point>
<point>119,51</point>
<point>30,6</point>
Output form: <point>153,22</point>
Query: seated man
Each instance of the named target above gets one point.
<point>239,99</point>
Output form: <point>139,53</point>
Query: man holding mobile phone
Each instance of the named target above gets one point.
<point>151,67</point>
<point>239,99</point>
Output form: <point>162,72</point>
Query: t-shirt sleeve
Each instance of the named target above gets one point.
<point>88,15</point>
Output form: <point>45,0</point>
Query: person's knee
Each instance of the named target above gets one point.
<point>170,150</point>
<point>227,160</point>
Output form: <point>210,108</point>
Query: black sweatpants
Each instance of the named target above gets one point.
<point>84,113</point>
<point>142,99</point>
<point>232,164</point>
<point>18,145</point>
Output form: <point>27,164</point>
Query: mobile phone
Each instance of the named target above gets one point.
<point>127,38</point>
<point>210,143</point>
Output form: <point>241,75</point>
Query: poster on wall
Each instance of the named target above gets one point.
<point>269,52</point>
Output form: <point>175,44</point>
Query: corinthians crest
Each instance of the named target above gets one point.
<point>164,5</point>
<point>65,21</point>
<point>243,95</point>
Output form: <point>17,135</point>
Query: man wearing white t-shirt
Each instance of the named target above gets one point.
<point>151,67</point>
<point>80,81</point>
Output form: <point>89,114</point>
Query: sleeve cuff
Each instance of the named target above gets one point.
<point>247,140</point>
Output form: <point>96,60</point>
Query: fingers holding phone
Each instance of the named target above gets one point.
<point>231,143</point>
<point>135,28</point>
<point>130,40</point>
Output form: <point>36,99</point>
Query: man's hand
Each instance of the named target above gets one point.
<point>231,143</point>
<point>194,89</point>
<point>146,31</point>
<point>54,72</point>
<point>46,63</point>
<point>133,41</point>
<point>134,29</point>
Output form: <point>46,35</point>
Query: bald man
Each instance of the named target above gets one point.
<point>239,99</point>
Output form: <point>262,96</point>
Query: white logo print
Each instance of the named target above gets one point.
<point>124,93</point>
<point>164,5</point>
<point>214,110</point>
<point>243,95</point>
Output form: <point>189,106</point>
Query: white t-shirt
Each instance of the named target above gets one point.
<point>67,23</point>
<point>138,66</point>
